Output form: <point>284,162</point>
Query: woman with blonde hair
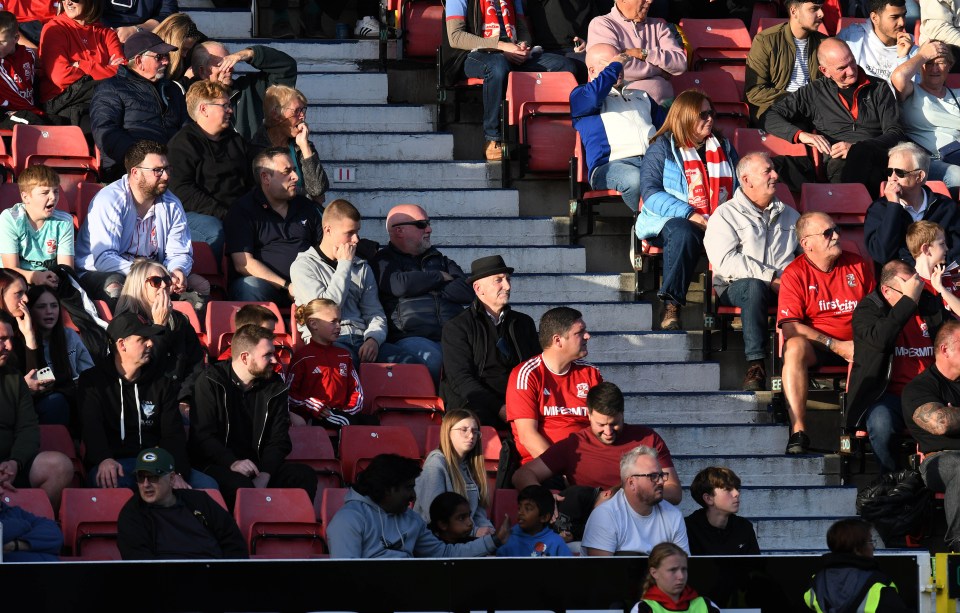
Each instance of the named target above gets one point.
<point>285,125</point>
<point>457,467</point>
<point>181,32</point>
<point>665,587</point>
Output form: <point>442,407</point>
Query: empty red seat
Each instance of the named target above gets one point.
<point>504,504</point>
<point>360,444</point>
<point>30,499</point>
<point>537,113</point>
<point>401,395</point>
<point>748,140</point>
<point>312,446</point>
<point>88,518</point>
<point>63,148</point>
<point>712,42</point>
<point>278,522</point>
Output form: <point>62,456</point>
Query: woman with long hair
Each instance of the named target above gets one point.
<point>665,586</point>
<point>181,32</point>
<point>27,347</point>
<point>457,467</point>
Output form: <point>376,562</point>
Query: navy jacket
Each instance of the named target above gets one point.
<point>139,11</point>
<point>885,228</point>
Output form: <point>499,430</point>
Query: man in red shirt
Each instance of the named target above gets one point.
<point>547,394</point>
<point>591,457</point>
<point>818,293</point>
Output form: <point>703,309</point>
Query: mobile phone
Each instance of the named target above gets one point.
<point>45,374</point>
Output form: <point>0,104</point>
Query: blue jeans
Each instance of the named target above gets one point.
<point>948,173</point>
<point>753,297</point>
<point>388,353</point>
<point>53,408</point>
<point>255,289</point>
<point>493,68</point>
<point>197,480</point>
<point>206,229</point>
<point>682,244</point>
<point>621,175</point>
<point>884,421</point>
<point>426,351</point>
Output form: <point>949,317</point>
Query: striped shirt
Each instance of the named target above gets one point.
<point>801,66</point>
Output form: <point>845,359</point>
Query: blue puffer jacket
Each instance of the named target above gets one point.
<point>663,185</point>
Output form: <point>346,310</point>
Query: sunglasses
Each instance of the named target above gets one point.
<point>421,224</point>
<point>828,234</point>
<point>147,477</point>
<point>708,114</point>
<point>156,281</point>
<point>901,173</point>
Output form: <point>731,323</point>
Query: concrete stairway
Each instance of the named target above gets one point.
<point>380,154</point>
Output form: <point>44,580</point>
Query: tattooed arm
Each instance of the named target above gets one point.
<point>937,418</point>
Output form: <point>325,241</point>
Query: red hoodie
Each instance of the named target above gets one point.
<point>65,42</point>
<point>31,10</point>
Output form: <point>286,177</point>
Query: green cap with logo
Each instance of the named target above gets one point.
<point>155,461</point>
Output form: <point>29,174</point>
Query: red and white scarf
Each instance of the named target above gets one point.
<point>491,25</point>
<point>710,184</point>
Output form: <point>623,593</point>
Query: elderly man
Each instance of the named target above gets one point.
<point>749,242</point>
<point>656,52</point>
<point>783,58</point>
<point>420,288</point>
<point>267,228</point>
<point>591,457</point>
<point>138,103</point>
<point>546,395</point>
<point>856,119</point>
<point>636,518</point>
<point>905,200</point>
<point>881,43</point>
<point>615,124</point>
<point>818,293</point>
<point>484,343</point>
<point>210,163</point>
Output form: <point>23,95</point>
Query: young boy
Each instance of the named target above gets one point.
<point>716,529</point>
<point>255,314</point>
<point>18,65</point>
<point>34,235</point>
<point>927,243</point>
<point>533,537</point>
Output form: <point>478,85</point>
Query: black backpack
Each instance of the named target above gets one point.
<point>897,504</point>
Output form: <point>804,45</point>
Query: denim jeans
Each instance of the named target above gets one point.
<point>682,244</point>
<point>426,351</point>
<point>255,289</point>
<point>941,473</point>
<point>493,68</point>
<point>197,480</point>
<point>621,175</point>
<point>206,229</point>
<point>948,173</point>
<point>53,408</point>
<point>388,353</point>
<point>753,297</point>
<point>884,421</point>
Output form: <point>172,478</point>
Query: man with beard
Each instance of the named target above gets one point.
<point>136,217</point>
<point>239,427</point>
<point>881,43</point>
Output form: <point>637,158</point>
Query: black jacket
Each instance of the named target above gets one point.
<point>415,297</point>
<point>217,396</point>
<point>885,227</point>
<point>469,381</point>
<point>136,528</point>
<point>737,539</point>
<point>876,326</point>
<point>179,355</point>
<point>845,581</point>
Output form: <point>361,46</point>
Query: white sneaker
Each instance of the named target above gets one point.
<point>368,27</point>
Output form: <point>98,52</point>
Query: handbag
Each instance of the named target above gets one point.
<point>951,153</point>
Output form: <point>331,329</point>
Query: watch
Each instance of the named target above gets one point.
<point>829,344</point>
<point>643,55</point>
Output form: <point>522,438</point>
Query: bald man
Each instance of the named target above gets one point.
<point>420,288</point>
<point>615,124</point>
<point>855,117</point>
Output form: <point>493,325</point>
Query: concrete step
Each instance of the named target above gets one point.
<point>533,259</point>
<point>566,288</point>
<point>330,118</point>
<point>605,316</point>
<point>770,502</point>
<point>642,347</point>
<point>220,24</point>
<point>662,377</point>
<point>365,146</point>
<point>412,175</point>
<point>527,231</point>
<point>799,533</point>
<point>721,439</point>
<point>307,50</point>
<point>696,408</point>
<point>343,88</point>
<point>765,471</point>
<point>439,203</point>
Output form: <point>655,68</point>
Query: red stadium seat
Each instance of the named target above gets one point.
<point>30,499</point>
<point>360,444</point>
<point>847,205</point>
<point>219,322</point>
<point>761,10</point>
<point>846,22</point>
<point>6,162</point>
<point>953,79</point>
<point>504,503</point>
<point>278,522</point>
<point>312,446</point>
<point>187,310</point>
<point>206,265</point>
<point>712,42</point>
<point>9,195</point>
<point>747,140</point>
<point>63,148</point>
<point>88,518</point>
<point>103,310</point>
<point>420,23</point>
<point>217,498</point>
<point>732,112</point>
<point>85,193</point>
<point>332,501</point>
<point>583,198</point>
<point>831,16</point>
<point>488,438</point>
<point>768,22</point>
<point>401,395</point>
<point>784,194</point>
<point>739,74</point>
<point>56,437</point>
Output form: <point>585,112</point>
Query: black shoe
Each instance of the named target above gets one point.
<point>798,443</point>
<point>756,379</point>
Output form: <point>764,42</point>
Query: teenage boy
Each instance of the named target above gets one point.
<point>716,529</point>
<point>257,315</point>
<point>19,69</point>
<point>927,243</point>
<point>533,537</point>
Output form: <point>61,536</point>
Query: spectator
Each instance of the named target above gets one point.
<point>533,537</point>
<point>881,43</point>
<point>749,241</point>
<point>892,328</point>
<point>546,395</point>
<point>420,288</point>
<point>654,47</point>
<point>285,125</point>
<point>591,457</point>
<point>267,228</point>
<point>333,270</point>
<point>850,577</point>
<point>137,104</point>
<point>143,15</point>
<point>716,529</point>
<point>615,124</point>
<point>22,464</point>
<point>450,518</point>
<point>906,199</point>
<point>816,326</point>
<point>239,430</point>
<point>489,40</point>
<point>376,520</point>
<point>324,387</point>
<point>210,163</point>
<point>665,587</point>
<point>686,174</point>
<point>126,407</point>
<point>484,343</point>
<point>255,314</point>
<point>76,51</point>
<point>136,217</point>
<point>211,61</point>
<point>940,20</point>
<point>18,65</point>
<point>637,517</point>
<point>27,346</point>
<point>457,466</point>
<point>928,246</point>
<point>782,59</point>
<point>856,143</point>
<point>928,109</point>
<point>35,235</point>
<point>163,523</point>
<point>28,537</point>
<point>179,31</point>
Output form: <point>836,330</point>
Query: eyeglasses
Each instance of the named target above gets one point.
<point>160,57</point>
<point>147,477</point>
<point>890,287</point>
<point>654,477</point>
<point>156,281</point>
<point>421,224</point>
<point>828,234</point>
<point>158,171</point>
<point>466,431</point>
<point>300,110</point>
<point>901,173</point>
<point>708,114</point>
<point>224,105</point>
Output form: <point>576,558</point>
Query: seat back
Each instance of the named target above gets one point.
<point>186,309</point>
<point>846,203</point>
<point>382,381</point>
<point>86,191</point>
<point>846,22</point>
<point>88,518</point>
<point>332,501</point>
<point>278,522</point>
<point>62,147</point>
<point>206,265</point>
<point>421,22</point>
<point>761,10</point>
<point>748,140</point>
<point>9,195</point>
<point>360,444</point>
<point>217,498</point>
<point>537,114</point>
<point>30,499</point>
<point>219,321</point>
<point>56,437</point>
<point>504,503</point>
<point>715,41</point>
<point>312,446</point>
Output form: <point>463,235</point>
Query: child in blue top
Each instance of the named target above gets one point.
<point>533,537</point>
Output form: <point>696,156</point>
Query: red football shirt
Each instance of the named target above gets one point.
<point>912,354</point>
<point>17,72</point>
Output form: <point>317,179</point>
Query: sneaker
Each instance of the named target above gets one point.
<point>368,27</point>
<point>493,151</point>
<point>671,317</point>
<point>756,379</point>
<point>799,442</point>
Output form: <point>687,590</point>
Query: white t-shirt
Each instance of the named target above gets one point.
<point>929,121</point>
<point>801,66</point>
<point>614,526</point>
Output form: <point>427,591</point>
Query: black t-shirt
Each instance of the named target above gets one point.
<point>181,534</point>
<point>242,409</point>
<point>930,386</point>
<point>737,539</point>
